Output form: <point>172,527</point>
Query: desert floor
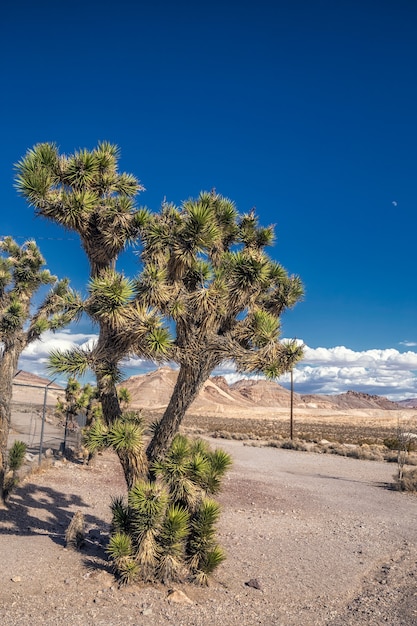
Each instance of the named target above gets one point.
<point>327,539</point>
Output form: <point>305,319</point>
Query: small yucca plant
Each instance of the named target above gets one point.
<point>166,530</point>
<point>15,461</point>
<point>121,552</point>
<point>208,563</point>
<point>121,521</point>
<point>17,455</point>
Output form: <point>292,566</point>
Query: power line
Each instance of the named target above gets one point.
<point>39,238</point>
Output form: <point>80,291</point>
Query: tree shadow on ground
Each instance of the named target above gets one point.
<point>39,510</point>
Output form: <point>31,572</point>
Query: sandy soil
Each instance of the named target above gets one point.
<point>326,538</point>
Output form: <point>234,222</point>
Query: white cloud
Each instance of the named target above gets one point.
<point>63,340</point>
<point>339,369</point>
<point>335,370</point>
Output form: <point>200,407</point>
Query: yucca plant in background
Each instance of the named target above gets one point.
<point>15,460</point>
<point>167,528</point>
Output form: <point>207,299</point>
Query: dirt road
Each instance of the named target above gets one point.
<point>326,539</point>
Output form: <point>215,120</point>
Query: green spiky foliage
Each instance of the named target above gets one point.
<point>125,437</point>
<point>23,318</point>
<point>125,396</point>
<point>15,460</point>
<point>167,527</point>
<point>120,550</point>
<point>16,455</point>
<point>206,268</point>
<point>202,538</point>
<point>85,192</point>
<point>191,470</point>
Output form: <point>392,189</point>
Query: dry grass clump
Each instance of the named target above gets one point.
<point>225,434</point>
<point>364,451</point>
<point>294,444</point>
<point>408,481</point>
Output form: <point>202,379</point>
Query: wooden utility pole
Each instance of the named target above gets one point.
<point>292,406</point>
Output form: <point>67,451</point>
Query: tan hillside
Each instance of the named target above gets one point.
<point>264,392</point>
<point>153,391</point>
<point>35,393</point>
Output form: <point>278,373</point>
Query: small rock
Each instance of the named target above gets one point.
<point>48,453</point>
<point>254,583</point>
<point>17,579</point>
<point>147,612</point>
<point>178,596</point>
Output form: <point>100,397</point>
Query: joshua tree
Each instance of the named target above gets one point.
<point>124,396</point>
<point>22,275</point>
<point>206,269</point>
<point>85,193</point>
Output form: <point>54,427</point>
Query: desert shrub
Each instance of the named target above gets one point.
<point>167,528</point>
<point>294,444</point>
<point>336,448</point>
<point>391,443</point>
<point>407,481</point>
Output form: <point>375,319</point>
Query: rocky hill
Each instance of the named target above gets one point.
<point>358,400</point>
<point>154,389</point>
<point>30,389</point>
<point>410,403</point>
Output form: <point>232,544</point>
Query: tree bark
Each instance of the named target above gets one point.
<point>189,383</point>
<point>8,365</point>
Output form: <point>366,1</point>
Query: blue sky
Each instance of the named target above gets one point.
<point>304,109</point>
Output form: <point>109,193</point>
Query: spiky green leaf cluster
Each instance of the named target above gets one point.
<point>22,276</point>
<point>84,192</point>
<point>16,456</point>
<point>191,470</point>
<point>124,433</point>
<point>167,526</point>
<point>206,268</point>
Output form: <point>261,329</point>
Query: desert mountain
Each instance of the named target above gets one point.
<point>30,389</point>
<point>153,390</point>
<point>411,403</point>
<point>358,400</point>
<point>26,378</point>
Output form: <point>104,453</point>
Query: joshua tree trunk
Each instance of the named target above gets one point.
<point>8,365</point>
<point>189,383</point>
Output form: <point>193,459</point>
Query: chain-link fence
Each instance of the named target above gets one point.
<point>35,421</point>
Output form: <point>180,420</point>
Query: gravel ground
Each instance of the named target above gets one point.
<point>324,538</point>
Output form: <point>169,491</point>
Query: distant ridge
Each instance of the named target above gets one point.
<point>31,395</point>
<point>153,391</point>
<point>26,378</point>
<point>410,403</point>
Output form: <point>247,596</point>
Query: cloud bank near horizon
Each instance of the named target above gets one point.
<point>335,370</point>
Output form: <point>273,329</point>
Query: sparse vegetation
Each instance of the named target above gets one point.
<point>405,443</point>
<point>408,480</point>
